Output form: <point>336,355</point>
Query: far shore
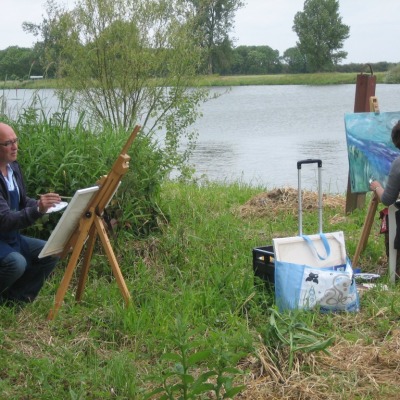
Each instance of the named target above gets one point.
<point>328,78</point>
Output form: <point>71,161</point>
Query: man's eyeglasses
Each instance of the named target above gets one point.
<point>9,143</point>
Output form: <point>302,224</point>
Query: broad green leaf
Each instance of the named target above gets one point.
<point>153,392</point>
<point>187,379</point>
<point>206,375</point>
<point>318,346</point>
<point>198,357</point>
<point>231,393</point>
<point>202,388</point>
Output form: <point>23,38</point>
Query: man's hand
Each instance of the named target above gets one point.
<point>47,201</point>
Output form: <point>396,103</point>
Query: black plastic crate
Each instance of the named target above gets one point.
<point>263,264</point>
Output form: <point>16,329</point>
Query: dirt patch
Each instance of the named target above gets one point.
<point>286,199</point>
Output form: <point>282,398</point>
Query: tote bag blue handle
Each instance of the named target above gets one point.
<point>315,251</point>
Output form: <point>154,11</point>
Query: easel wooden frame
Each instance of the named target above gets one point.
<point>90,226</point>
<point>366,230</point>
<point>392,251</point>
<point>369,219</point>
<point>373,206</point>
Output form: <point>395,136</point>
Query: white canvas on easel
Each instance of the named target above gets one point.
<point>68,221</point>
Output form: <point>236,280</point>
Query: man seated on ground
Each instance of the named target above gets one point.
<point>22,273</point>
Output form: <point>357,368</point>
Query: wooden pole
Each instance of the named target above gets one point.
<point>365,89</point>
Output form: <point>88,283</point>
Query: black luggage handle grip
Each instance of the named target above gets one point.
<point>299,164</point>
<point>309,161</point>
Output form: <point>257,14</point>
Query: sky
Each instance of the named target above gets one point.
<point>374,26</point>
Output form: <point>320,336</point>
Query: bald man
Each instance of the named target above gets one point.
<point>22,273</point>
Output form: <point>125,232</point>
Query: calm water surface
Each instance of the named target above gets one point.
<point>256,134</point>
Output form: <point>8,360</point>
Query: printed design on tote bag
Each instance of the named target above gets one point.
<point>327,288</point>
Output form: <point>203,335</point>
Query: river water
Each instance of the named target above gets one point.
<point>256,134</point>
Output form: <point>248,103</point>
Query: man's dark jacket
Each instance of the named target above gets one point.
<point>28,214</point>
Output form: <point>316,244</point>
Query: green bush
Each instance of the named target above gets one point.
<point>59,156</point>
<point>393,75</point>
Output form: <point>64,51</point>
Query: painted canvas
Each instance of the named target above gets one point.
<point>370,148</point>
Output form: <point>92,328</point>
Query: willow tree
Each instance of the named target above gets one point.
<point>129,61</point>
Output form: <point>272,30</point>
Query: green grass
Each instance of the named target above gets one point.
<point>286,79</point>
<point>329,78</point>
<point>193,292</point>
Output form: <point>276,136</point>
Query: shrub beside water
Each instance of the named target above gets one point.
<point>393,75</point>
<point>56,156</point>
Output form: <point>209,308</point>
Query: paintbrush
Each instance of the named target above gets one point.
<point>62,197</point>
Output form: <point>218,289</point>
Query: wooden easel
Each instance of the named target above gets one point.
<point>90,225</point>
<point>373,206</point>
<point>369,219</point>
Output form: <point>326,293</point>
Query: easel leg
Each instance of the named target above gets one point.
<point>392,251</point>
<point>66,280</point>
<point>86,263</point>
<point>113,261</point>
<point>366,228</point>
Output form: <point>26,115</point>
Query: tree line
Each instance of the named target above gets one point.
<point>321,35</point>
<point>20,63</point>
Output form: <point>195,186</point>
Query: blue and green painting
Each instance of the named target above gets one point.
<point>370,148</point>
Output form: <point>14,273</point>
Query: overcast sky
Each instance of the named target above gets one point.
<point>374,25</point>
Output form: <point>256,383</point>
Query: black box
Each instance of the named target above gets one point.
<point>263,264</point>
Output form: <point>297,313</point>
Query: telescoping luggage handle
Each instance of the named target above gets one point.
<point>299,164</point>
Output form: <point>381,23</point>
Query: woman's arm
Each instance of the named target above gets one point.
<point>392,189</point>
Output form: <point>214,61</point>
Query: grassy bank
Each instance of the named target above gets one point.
<point>334,78</point>
<point>236,80</point>
<point>195,302</point>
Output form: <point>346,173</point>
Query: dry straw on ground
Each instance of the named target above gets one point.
<point>286,199</point>
<point>351,371</point>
